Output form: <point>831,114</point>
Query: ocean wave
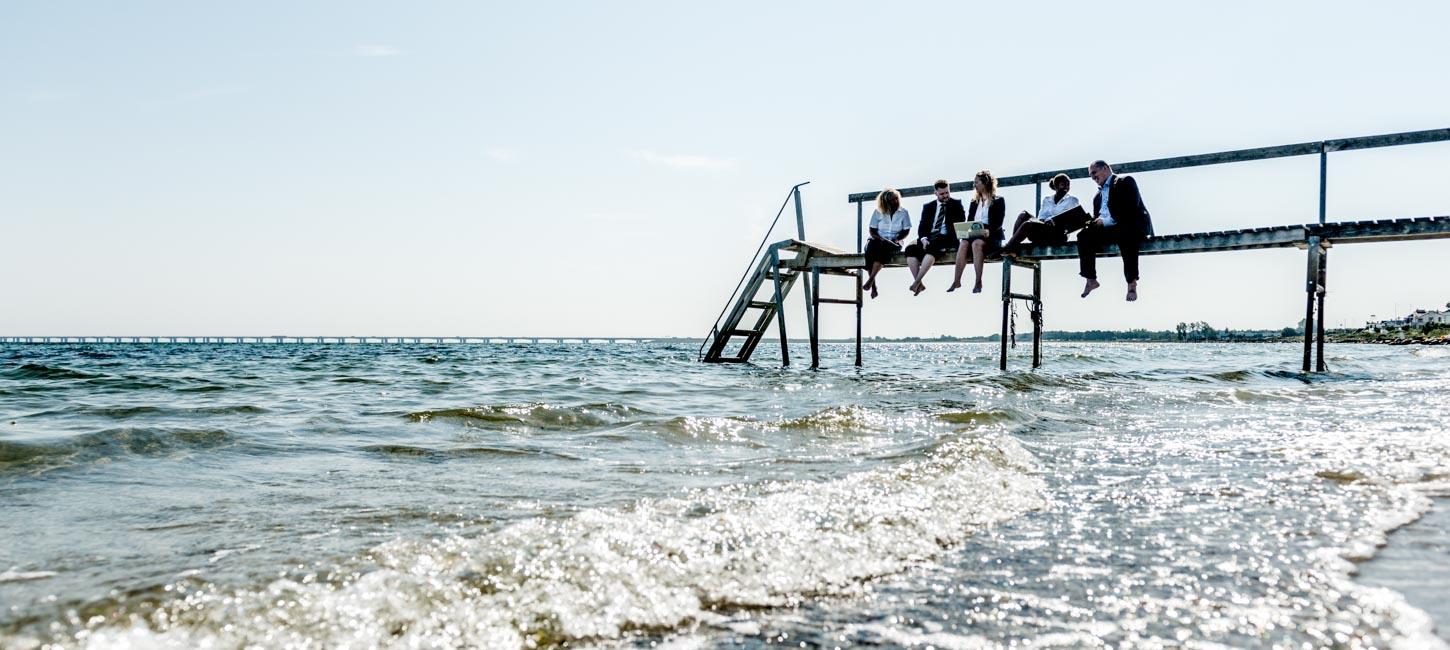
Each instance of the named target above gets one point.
<point>41,371</point>
<point>534,415</point>
<point>602,574</point>
<point>108,444</point>
<point>462,452</point>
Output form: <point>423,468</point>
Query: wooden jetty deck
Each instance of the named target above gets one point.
<point>749,315</point>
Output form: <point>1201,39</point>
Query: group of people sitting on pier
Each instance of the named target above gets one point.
<point>975,232</point>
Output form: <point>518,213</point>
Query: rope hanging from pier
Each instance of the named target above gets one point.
<point>1012,328</point>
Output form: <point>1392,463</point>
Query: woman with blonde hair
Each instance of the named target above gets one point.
<point>991,210</point>
<point>890,224</point>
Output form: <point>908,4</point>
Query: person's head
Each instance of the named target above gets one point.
<point>1100,171</point>
<point>1060,183</point>
<point>888,202</point>
<point>943,189</point>
<point>985,185</point>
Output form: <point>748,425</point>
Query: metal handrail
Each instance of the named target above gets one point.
<point>1177,162</point>
<point>715,329</point>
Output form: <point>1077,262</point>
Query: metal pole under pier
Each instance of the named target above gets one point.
<point>1037,313</point>
<point>1319,364</point>
<point>1006,308</point>
<point>814,312</point>
<point>860,279</point>
<point>779,306</point>
<point>1311,290</point>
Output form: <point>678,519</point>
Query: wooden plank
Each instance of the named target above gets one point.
<point>1197,160</point>
<point>1221,240</point>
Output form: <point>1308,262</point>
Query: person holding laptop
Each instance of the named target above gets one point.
<point>934,234</point>
<point>978,241</point>
<point>890,225</point>
<point>1060,214</point>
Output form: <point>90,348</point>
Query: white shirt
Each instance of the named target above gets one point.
<point>1051,208</point>
<point>894,227</point>
<point>1103,213</point>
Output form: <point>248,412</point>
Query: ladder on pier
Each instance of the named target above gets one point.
<point>760,302</point>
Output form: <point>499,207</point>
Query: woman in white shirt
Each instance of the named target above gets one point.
<point>890,224</point>
<point>1042,229</point>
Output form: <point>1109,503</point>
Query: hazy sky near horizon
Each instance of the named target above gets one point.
<point>573,168</point>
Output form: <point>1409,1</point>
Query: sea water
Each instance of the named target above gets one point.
<point>510,496</point>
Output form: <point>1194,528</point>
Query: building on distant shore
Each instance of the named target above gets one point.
<point>1417,318</point>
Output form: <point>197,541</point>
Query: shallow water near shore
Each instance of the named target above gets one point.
<point>1134,495</point>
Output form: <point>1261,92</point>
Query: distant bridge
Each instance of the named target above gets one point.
<point>355,340</point>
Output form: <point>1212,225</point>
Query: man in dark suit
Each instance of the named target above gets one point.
<point>1122,219</point>
<point>935,234</point>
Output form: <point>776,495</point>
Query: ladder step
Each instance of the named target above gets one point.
<point>762,304</point>
<point>784,275</point>
<point>1023,296</point>
<point>839,301</point>
<point>742,333</point>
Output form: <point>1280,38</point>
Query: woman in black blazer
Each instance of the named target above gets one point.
<point>994,208</point>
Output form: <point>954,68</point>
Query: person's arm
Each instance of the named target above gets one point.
<point>875,234</point>
<point>996,215</point>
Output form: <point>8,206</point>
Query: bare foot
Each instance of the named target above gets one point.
<point>1088,288</point>
<point>977,288</point>
<point>1133,292</point>
<point>955,285</point>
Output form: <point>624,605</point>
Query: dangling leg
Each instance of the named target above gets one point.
<point>871,281</point>
<point>963,250</point>
<point>1019,233</point>
<point>1087,254</point>
<point>979,258</point>
<point>926,262</point>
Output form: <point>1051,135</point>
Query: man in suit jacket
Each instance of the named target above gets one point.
<point>935,234</point>
<point>1122,220</point>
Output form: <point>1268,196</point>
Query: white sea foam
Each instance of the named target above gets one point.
<point>663,565</point>
<point>13,575</point>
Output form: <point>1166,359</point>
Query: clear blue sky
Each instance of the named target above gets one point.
<point>606,168</point>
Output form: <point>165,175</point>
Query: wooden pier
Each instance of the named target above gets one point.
<point>749,315</point>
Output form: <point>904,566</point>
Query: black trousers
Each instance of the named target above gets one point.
<point>937,246</point>
<point>1091,241</point>
<point>880,250</point>
<point>1039,232</point>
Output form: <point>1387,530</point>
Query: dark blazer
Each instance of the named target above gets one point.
<point>995,216</point>
<point>955,214</point>
<point>1126,206</point>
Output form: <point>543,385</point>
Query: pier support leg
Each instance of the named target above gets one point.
<point>813,310</point>
<point>1006,310</point>
<point>1319,364</point>
<point>780,307</point>
<point>859,295</point>
<point>1311,291</point>
<point>1037,312</point>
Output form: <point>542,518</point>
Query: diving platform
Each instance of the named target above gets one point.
<point>758,303</point>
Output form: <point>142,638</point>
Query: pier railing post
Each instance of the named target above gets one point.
<point>1323,180</point>
<point>1006,309</point>
<point>1311,291</point>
